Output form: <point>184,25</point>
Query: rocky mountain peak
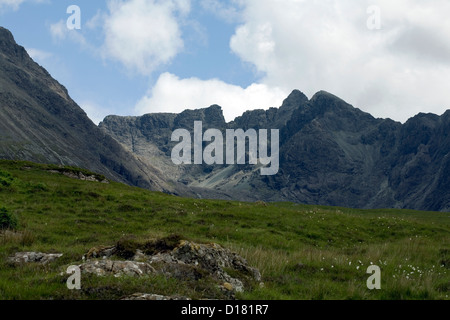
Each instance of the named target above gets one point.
<point>294,99</point>
<point>324,98</point>
<point>6,37</point>
<point>9,47</point>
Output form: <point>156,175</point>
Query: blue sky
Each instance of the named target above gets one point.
<point>140,56</point>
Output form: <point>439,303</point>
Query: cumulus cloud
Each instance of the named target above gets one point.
<point>94,111</point>
<point>172,94</point>
<point>229,11</point>
<point>60,32</point>
<point>144,34</point>
<point>15,4</point>
<point>396,71</point>
<point>39,55</point>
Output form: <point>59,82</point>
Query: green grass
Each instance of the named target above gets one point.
<point>303,252</point>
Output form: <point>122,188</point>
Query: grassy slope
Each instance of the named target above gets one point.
<point>303,252</point>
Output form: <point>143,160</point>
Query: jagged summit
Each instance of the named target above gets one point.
<point>324,94</point>
<point>296,97</point>
<point>6,36</point>
<point>9,47</point>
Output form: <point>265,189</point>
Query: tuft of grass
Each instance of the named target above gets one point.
<point>126,247</point>
<point>24,238</point>
<point>162,245</point>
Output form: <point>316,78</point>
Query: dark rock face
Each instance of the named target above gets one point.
<point>40,122</point>
<point>273,118</point>
<point>330,154</point>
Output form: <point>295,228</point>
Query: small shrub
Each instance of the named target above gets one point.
<point>162,245</point>
<point>36,187</point>
<point>6,179</point>
<point>7,220</point>
<point>24,239</point>
<point>126,247</point>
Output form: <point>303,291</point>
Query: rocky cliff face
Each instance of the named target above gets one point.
<point>331,154</point>
<point>40,122</point>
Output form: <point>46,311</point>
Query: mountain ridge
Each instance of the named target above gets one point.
<point>331,153</point>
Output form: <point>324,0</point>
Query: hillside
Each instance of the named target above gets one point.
<point>301,251</point>
<point>40,122</point>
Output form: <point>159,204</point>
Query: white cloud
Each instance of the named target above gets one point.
<point>144,34</point>
<point>94,111</point>
<point>60,32</point>
<point>15,4</point>
<point>229,11</point>
<point>39,55</point>
<point>394,72</point>
<point>174,95</point>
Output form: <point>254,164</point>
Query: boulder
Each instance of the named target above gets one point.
<point>184,261</point>
<point>34,257</point>
<point>213,258</point>
<point>153,297</point>
<point>100,252</point>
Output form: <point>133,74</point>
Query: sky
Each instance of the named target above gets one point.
<point>132,57</point>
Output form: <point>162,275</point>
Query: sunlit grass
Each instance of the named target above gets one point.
<point>303,252</point>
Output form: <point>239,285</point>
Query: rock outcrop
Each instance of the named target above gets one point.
<point>187,261</point>
<point>117,268</point>
<point>152,297</point>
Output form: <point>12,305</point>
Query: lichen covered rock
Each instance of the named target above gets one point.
<point>34,257</point>
<point>117,268</point>
<point>179,259</point>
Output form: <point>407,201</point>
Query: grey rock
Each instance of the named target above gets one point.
<point>100,252</point>
<point>153,297</point>
<point>117,268</point>
<point>189,261</point>
<point>213,258</point>
<point>34,257</point>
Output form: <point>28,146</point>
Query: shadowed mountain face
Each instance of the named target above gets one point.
<point>330,154</point>
<point>40,122</point>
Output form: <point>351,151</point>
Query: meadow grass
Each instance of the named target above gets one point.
<point>302,251</point>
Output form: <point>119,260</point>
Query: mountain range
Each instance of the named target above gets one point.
<point>330,152</point>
